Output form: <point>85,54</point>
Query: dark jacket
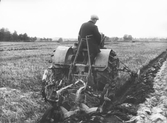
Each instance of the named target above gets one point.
<point>89,28</point>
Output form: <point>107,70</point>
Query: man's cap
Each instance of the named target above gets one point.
<point>94,17</point>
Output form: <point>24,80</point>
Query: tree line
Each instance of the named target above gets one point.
<point>127,37</point>
<point>6,35</point>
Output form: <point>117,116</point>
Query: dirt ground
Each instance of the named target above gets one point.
<point>22,67</point>
<point>154,109</point>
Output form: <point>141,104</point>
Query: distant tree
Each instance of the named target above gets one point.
<point>25,37</point>
<point>127,37</point>
<point>60,40</point>
<point>34,38</point>
<point>49,39</point>
<point>5,35</point>
<point>116,39</point>
<point>8,36</point>
<point>2,34</point>
<point>44,39</point>
<point>130,37</point>
<point>20,37</point>
<point>15,36</point>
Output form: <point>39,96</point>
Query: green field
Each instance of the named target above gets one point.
<point>22,64</point>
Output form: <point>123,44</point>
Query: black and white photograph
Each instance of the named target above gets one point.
<point>83,61</point>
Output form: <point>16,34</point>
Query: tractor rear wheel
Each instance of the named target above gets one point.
<point>109,75</point>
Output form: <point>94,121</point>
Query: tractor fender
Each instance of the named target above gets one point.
<point>61,55</point>
<point>101,60</point>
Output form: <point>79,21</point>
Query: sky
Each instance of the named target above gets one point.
<point>63,18</point>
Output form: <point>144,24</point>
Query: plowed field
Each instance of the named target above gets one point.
<point>22,65</point>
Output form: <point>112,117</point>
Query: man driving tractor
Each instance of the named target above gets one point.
<point>90,30</point>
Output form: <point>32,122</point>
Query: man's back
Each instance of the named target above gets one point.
<point>89,28</point>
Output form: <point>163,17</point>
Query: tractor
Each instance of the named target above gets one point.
<point>74,86</point>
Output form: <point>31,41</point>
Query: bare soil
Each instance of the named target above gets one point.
<point>21,69</point>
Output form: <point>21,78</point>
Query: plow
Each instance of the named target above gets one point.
<point>80,91</point>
